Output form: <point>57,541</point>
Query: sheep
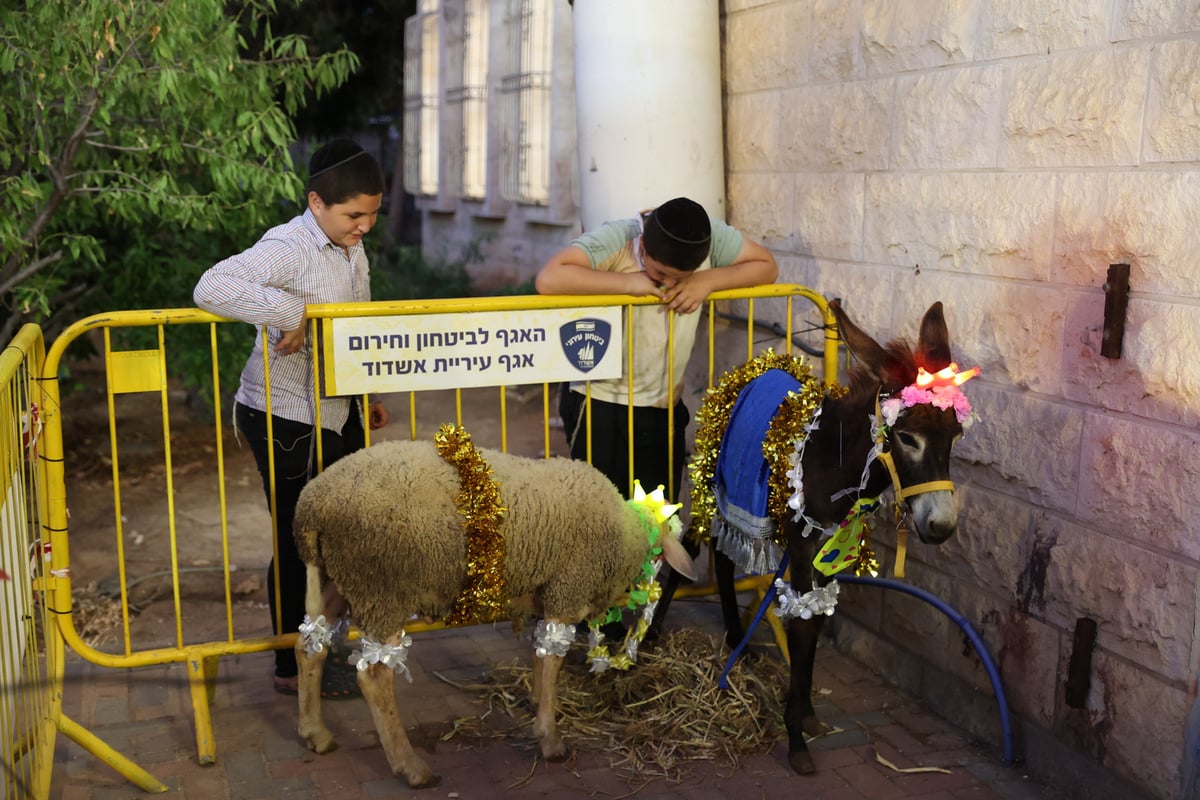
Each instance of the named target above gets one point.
<point>448,531</point>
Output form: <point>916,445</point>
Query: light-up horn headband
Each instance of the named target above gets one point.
<point>939,389</point>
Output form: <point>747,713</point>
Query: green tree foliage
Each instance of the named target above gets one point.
<point>137,135</point>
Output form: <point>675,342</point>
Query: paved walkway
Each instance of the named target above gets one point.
<point>146,715</point>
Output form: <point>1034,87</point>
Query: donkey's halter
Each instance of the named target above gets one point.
<point>902,493</point>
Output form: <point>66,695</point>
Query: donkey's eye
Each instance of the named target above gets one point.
<point>907,439</point>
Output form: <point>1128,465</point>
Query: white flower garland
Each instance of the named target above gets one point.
<point>821,600</point>
<point>553,638</point>
<point>795,476</point>
<point>317,634</point>
<point>392,656</point>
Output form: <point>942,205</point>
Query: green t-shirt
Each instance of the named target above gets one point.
<point>610,248</point>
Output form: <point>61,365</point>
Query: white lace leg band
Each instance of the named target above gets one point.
<point>317,634</point>
<point>392,656</point>
<point>553,638</point>
<point>821,600</point>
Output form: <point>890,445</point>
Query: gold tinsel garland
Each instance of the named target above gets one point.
<point>787,426</point>
<point>483,597</point>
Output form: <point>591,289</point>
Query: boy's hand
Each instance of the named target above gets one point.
<point>291,341</point>
<point>686,296</point>
<point>377,415</point>
<point>641,285</point>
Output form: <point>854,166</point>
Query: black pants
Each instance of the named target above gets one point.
<point>611,441</point>
<point>295,465</point>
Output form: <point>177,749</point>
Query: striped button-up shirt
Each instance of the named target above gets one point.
<point>268,286</point>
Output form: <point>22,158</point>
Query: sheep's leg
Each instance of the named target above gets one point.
<point>332,601</point>
<point>545,728</point>
<point>378,689</point>
<point>535,683</point>
<point>312,725</point>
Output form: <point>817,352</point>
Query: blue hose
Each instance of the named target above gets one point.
<point>980,647</point>
<point>768,596</point>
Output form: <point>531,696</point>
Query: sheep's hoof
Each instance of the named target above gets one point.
<point>554,750</point>
<point>419,775</point>
<point>320,741</point>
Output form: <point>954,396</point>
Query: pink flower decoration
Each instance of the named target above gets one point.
<point>911,396</point>
<point>943,397</point>
<point>962,407</point>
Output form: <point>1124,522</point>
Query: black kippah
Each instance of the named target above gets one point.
<point>333,155</point>
<point>678,234</point>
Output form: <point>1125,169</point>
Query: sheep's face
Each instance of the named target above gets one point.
<point>674,551</point>
<point>665,516</point>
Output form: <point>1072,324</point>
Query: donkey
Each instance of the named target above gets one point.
<point>894,426</point>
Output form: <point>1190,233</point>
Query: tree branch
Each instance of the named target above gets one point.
<point>37,266</point>
<point>57,196</point>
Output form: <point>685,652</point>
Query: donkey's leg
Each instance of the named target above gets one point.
<point>312,725</point>
<point>723,568</point>
<point>798,715</point>
<point>377,683</point>
<point>545,727</point>
<point>670,585</point>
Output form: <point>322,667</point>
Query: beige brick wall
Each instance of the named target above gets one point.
<point>999,155</point>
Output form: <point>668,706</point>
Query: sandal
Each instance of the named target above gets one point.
<point>339,679</point>
<point>289,686</point>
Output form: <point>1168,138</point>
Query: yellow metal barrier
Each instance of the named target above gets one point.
<point>144,372</point>
<point>31,649</point>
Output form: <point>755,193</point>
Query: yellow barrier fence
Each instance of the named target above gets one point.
<point>144,475</point>
<point>31,649</point>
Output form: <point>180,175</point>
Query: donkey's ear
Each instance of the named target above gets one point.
<point>933,348</point>
<point>861,346</point>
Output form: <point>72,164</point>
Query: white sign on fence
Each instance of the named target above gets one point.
<point>484,348</point>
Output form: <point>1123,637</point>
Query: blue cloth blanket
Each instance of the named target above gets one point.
<point>743,528</point>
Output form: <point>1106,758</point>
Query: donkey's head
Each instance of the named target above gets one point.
<point>921,411</point>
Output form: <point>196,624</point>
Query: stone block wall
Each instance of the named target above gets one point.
<point>1000,155</point>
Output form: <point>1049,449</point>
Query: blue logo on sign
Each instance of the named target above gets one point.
<point>584,342</point>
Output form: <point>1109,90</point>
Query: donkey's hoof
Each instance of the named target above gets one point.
<point>813,727</point>
<point>801,762</point>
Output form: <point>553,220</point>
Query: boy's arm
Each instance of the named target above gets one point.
<point>569,271</point>
<point>752,266</point>
<point>247,287</point>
